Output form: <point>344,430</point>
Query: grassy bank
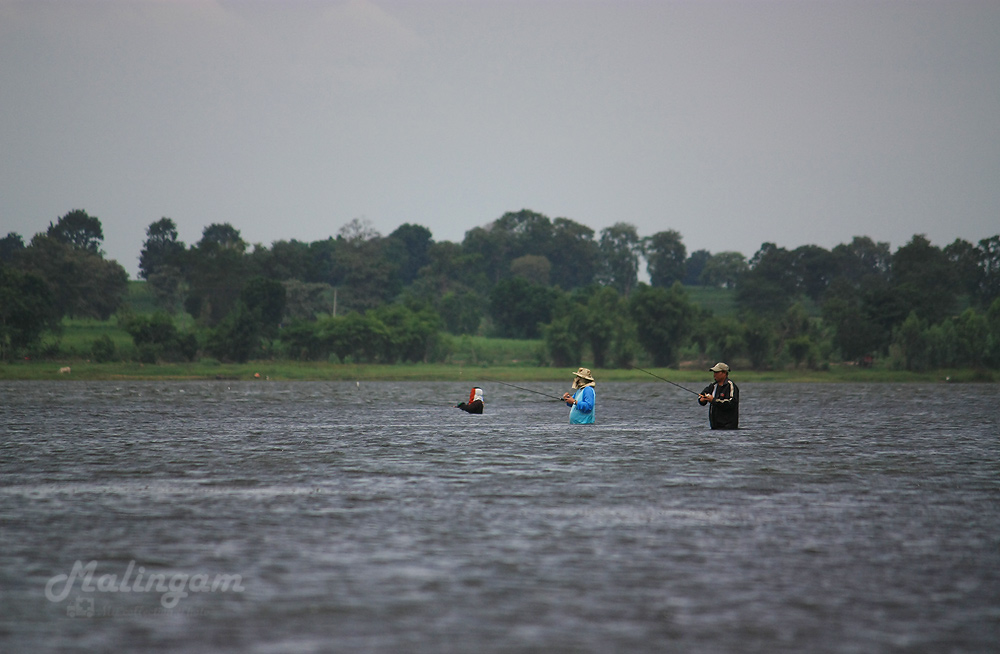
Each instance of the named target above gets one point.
<point>473,374</point>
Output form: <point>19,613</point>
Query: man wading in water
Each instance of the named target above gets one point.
<point>583,398</point>
<point>723,398</point>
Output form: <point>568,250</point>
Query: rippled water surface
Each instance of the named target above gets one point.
<point>378,518</point>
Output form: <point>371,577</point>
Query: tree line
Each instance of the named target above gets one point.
<point>362,296</point>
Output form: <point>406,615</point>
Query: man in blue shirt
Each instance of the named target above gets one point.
<point>582,399</point>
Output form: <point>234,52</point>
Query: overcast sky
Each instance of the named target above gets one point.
<point>732,122</point>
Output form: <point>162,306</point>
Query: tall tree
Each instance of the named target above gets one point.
<point>79,230</point>
<point>723,270</point>
<point>82,283</point>
<point>814,268</point>
<point>161,248</point>
<point>574,254</point>
<point>924,279</point>
<point>265,298</point>
<point>862,258</point>
<point>665,258</point>
<point>519,308</point>
<point>605,311</point>
<point>663,319</point>
<point>215,273</point>
<point>408,246</point>
<point>620,247</point>
<point>694,265</point>
<point>769,286</point>
<point>366,277</point>
<point>964,258</point>
<point>10,246</point>
<point>989,266</point>
<point>27,309</point>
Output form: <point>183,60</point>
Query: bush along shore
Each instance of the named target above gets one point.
<point>264,371</point>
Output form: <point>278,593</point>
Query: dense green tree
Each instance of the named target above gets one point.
<point>989,266</point>
<point>167,285</point>
<point>665,258</point>
<point>663,319</point>
<point>513,235</point>
<point>78,230</point>
<point>723,270</point>
<point>971,339</point>
<point>103,349</point>
<point>81,282</point>
<point>851,312</point>
<point>769,287</point>
<point>923,279</point>
<point>529,232</point>
<point>266,299</point>
<point>759,335</point>
<point>694,266</point>
<point>156,338</point>
<point>492,249</point>
<point>535,268</point>
<point>862,258</point>
<point>519,308</point>
<point>408,247</point>
<point>565,335</point>
<point>161,263</point>
<point>605,310</point>
<point>305,301</point>
<point>411,333</point>
<point>302,340</point>
<point>216,270</point>
<point>911,338</point>
<point>10,246</point>
<point>620,248</point>
<point>27,309</point>
<point>237,337</point>
<point>461,311</point>
<point>361,270</point>
<point>814,269</point>
<point>574,254</point>
<point>991,355</point>
<point>355,336</point>
<point>727,340</point>
<point>161,248</point>
<point>964,257</point>
<point>222,236</point>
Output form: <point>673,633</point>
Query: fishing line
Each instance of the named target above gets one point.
<point>666,380</point>
<point>497,381</point>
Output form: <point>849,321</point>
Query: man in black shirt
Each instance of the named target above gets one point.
<point>723,398</point>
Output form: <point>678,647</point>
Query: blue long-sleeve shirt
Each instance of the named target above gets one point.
<point>582,413</point>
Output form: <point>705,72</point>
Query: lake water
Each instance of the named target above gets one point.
<point>375,517</point>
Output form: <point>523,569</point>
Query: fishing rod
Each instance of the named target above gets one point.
<point>666,380</point>
<point>497,381</point>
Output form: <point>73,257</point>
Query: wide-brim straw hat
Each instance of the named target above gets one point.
<point>584,373</point>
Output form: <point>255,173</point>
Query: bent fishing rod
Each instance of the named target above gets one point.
<point>497,381</point>
<point>666,380</point>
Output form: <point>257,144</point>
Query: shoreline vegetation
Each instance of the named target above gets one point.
<point>263,371</point>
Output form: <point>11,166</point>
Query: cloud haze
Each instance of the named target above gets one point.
<point>733,122</point>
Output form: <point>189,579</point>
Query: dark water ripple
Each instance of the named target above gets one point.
<point>377,518</point>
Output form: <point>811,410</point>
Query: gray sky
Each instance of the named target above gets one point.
<point>732,122</point>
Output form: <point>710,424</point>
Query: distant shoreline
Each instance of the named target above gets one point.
<point>311,371</point>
